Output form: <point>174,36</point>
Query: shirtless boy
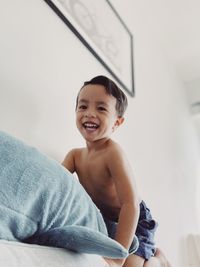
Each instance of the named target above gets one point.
<point>106,175</point>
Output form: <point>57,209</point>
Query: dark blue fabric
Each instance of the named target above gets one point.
<point>145,233</point>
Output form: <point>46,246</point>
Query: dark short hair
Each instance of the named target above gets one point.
<point>111,89</point>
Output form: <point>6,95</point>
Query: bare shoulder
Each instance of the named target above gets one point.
<point>114,149</point>
<point>76,151</point>
<point>70,158</point>
<point>117,160</point>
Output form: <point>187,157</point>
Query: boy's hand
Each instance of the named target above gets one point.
<point>114,262</point>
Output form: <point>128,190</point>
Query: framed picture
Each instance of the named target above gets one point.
<point>103,32</point>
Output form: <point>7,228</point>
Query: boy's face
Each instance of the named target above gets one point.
<point>96,115</point>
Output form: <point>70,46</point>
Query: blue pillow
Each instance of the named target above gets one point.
<point>42,203</point>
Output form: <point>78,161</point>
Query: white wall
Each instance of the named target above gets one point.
<point>43,65</point>
<point>193,91</point>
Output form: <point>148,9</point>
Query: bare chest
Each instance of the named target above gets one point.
<point>93,172</point>
<point>94,175</point>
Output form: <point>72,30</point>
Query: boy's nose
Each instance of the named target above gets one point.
<point>90,113</point>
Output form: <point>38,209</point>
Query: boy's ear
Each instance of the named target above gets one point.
<point>119,121</point>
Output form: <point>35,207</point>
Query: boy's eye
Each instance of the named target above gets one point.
<point>101,108</point>
<point>82,107</point>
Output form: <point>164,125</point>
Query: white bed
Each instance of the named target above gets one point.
<point>15,254</point>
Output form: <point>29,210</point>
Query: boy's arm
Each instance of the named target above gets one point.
<point>121,172</point>
<point>69,161</point>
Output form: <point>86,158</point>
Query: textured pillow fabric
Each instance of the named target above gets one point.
<point>42,203</point>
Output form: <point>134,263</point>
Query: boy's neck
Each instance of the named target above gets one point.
<point>97,145</point>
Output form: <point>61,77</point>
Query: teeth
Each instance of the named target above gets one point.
<point>90,125</point>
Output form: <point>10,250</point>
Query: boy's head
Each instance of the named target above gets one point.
<point>111,89</point>
<point>100,107</point>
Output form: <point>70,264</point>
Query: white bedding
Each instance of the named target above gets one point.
<point>15,254</point>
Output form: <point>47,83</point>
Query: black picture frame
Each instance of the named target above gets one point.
<point>100,28</point>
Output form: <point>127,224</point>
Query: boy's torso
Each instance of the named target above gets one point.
<point>93,173</point>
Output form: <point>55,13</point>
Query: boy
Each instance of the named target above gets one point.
<point>104,171</point>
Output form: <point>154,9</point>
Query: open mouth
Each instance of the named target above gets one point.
<point>90,125</point>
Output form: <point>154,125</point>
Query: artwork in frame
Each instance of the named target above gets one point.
<point>103,32</point>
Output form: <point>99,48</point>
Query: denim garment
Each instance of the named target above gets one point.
<point>145,232</point>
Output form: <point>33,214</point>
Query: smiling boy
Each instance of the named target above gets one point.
<point>105,173</point>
